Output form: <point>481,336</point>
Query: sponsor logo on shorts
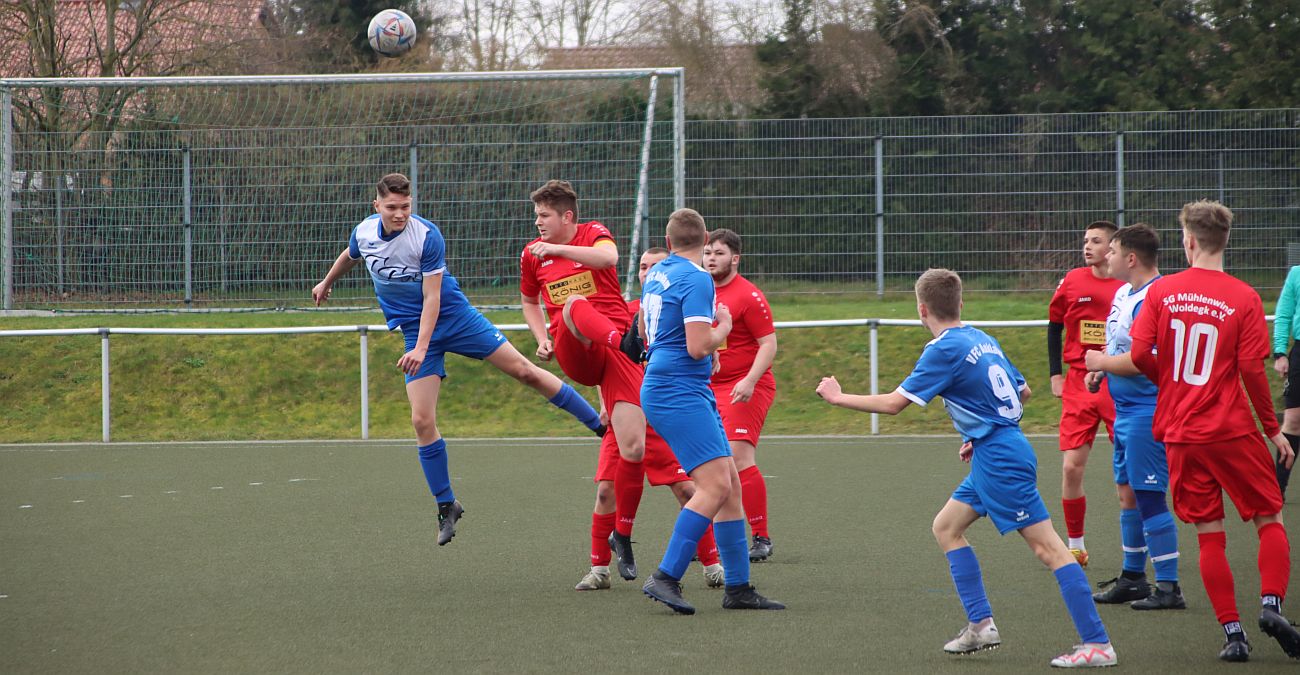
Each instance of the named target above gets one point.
<point>1021,516</point>
<point>1151,479</point>
<point>742,430</point>
<point>1092,332</point>
<point>583,284</point>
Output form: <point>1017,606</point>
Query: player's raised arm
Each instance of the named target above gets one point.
<point>889,404</point>
<point>342,265</point>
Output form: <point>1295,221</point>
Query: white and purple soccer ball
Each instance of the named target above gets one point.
<point>391,33</point>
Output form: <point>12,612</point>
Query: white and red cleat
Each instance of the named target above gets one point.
<point>1087,655</point>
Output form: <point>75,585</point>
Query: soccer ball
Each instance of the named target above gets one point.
<point>391,33</point>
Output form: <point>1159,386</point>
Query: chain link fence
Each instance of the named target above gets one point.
<point>823,205</point>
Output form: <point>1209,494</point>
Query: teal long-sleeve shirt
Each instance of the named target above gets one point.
<point>1286,325</point>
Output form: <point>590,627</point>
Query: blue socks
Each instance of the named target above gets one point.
<point>433,459</point>
<point>1161,533</point>
<point>568,400</point>
<point>687,531</point>
<point>1078,600</point>
<point>1135,545</point>
<point>966,576</point>
<point>730,535</point>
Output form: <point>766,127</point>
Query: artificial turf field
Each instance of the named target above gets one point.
<point>320,557</point>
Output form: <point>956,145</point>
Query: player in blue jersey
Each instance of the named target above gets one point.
<point>405,255</point>
<point>1141,469</point>
<point>677,315</point>
<point>984,393</point>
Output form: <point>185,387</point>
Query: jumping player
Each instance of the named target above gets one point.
<point>677,313</point>
<point>660,468</point>
<point>1078,309</point>
<point>984,394</point>
<point>1200,337</point>
<point>744,386</point>
<point>406,257</point>
<point>1141,470</point>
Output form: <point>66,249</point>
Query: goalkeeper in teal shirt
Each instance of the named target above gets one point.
<point>1286,361</point>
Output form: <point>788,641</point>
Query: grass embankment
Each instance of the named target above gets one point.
<point>307,386</point>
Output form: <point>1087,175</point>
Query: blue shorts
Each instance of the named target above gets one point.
<point>466,333</point>
<point>1139,458</point>
<point>687,418</point>
<point>1003,481</point>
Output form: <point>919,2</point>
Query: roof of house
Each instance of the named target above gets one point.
<point>721,78</point>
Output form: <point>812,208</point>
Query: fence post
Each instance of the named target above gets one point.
<point>105,395</point>
<point>875,372</point>
<point>189,225</point>
<point>415,177</point>
<point>7,197</point>
<point>365,384</point>
<point>880,221</point>
<point>1119,178</point>
<point>59,228</point>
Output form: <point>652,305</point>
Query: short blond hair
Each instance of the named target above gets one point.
<point>686,229</point>
<point>940,291</point>
<point>1209,222</point>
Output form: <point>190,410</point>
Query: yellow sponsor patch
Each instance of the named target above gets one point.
<point>583,284</point>
<point>1092,332</point>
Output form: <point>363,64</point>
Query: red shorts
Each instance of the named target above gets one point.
<point>596,364</point>
<point>661,467</point>
<point>1199,474</point>
<point>744,421</point>
<point>1081,410</point>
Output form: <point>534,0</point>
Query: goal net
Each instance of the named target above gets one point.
<point>238,192</point>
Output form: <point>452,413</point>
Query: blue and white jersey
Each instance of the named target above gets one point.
<point>398,264</point>
<point>1134,391</point>
<point>979,385</point>
<point>676,292</point>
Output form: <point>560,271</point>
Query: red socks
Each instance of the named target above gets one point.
<point>601,525</point>
<point>1217,576</point>
<point>1274,560</point>
<point>629,483</point>
<point>1074,510</point>
<point>707,549</point>
<point>595,326</point>
<point>753,496</point>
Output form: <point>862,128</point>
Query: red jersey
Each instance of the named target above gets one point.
<point>1203,324</point>
<point>555,279</point>
<point>751,319</point>
<point>633,306</point>
<point>1082,303</point>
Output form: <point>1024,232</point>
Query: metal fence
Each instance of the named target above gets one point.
<point>823,205</point>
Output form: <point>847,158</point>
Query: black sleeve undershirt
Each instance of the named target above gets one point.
<point>1054,333</point>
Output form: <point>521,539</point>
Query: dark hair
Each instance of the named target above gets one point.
<point>1208,221</point>
<point>1102,225</point>
<point>727,237</point>
<point>558,195</point>
<point>657,250</point>
<point>940,291</point>
<point>686,229</point>
<point>394,183</point>
<point>1140,239</point>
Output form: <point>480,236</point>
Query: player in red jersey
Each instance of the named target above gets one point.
<point>1079,309</point>
<point>1200,337</point>
<point>743,384</point>
<point>660,467</point>
<point>571,269</point>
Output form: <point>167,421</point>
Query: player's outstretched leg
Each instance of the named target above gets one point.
<point>508,360</point>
